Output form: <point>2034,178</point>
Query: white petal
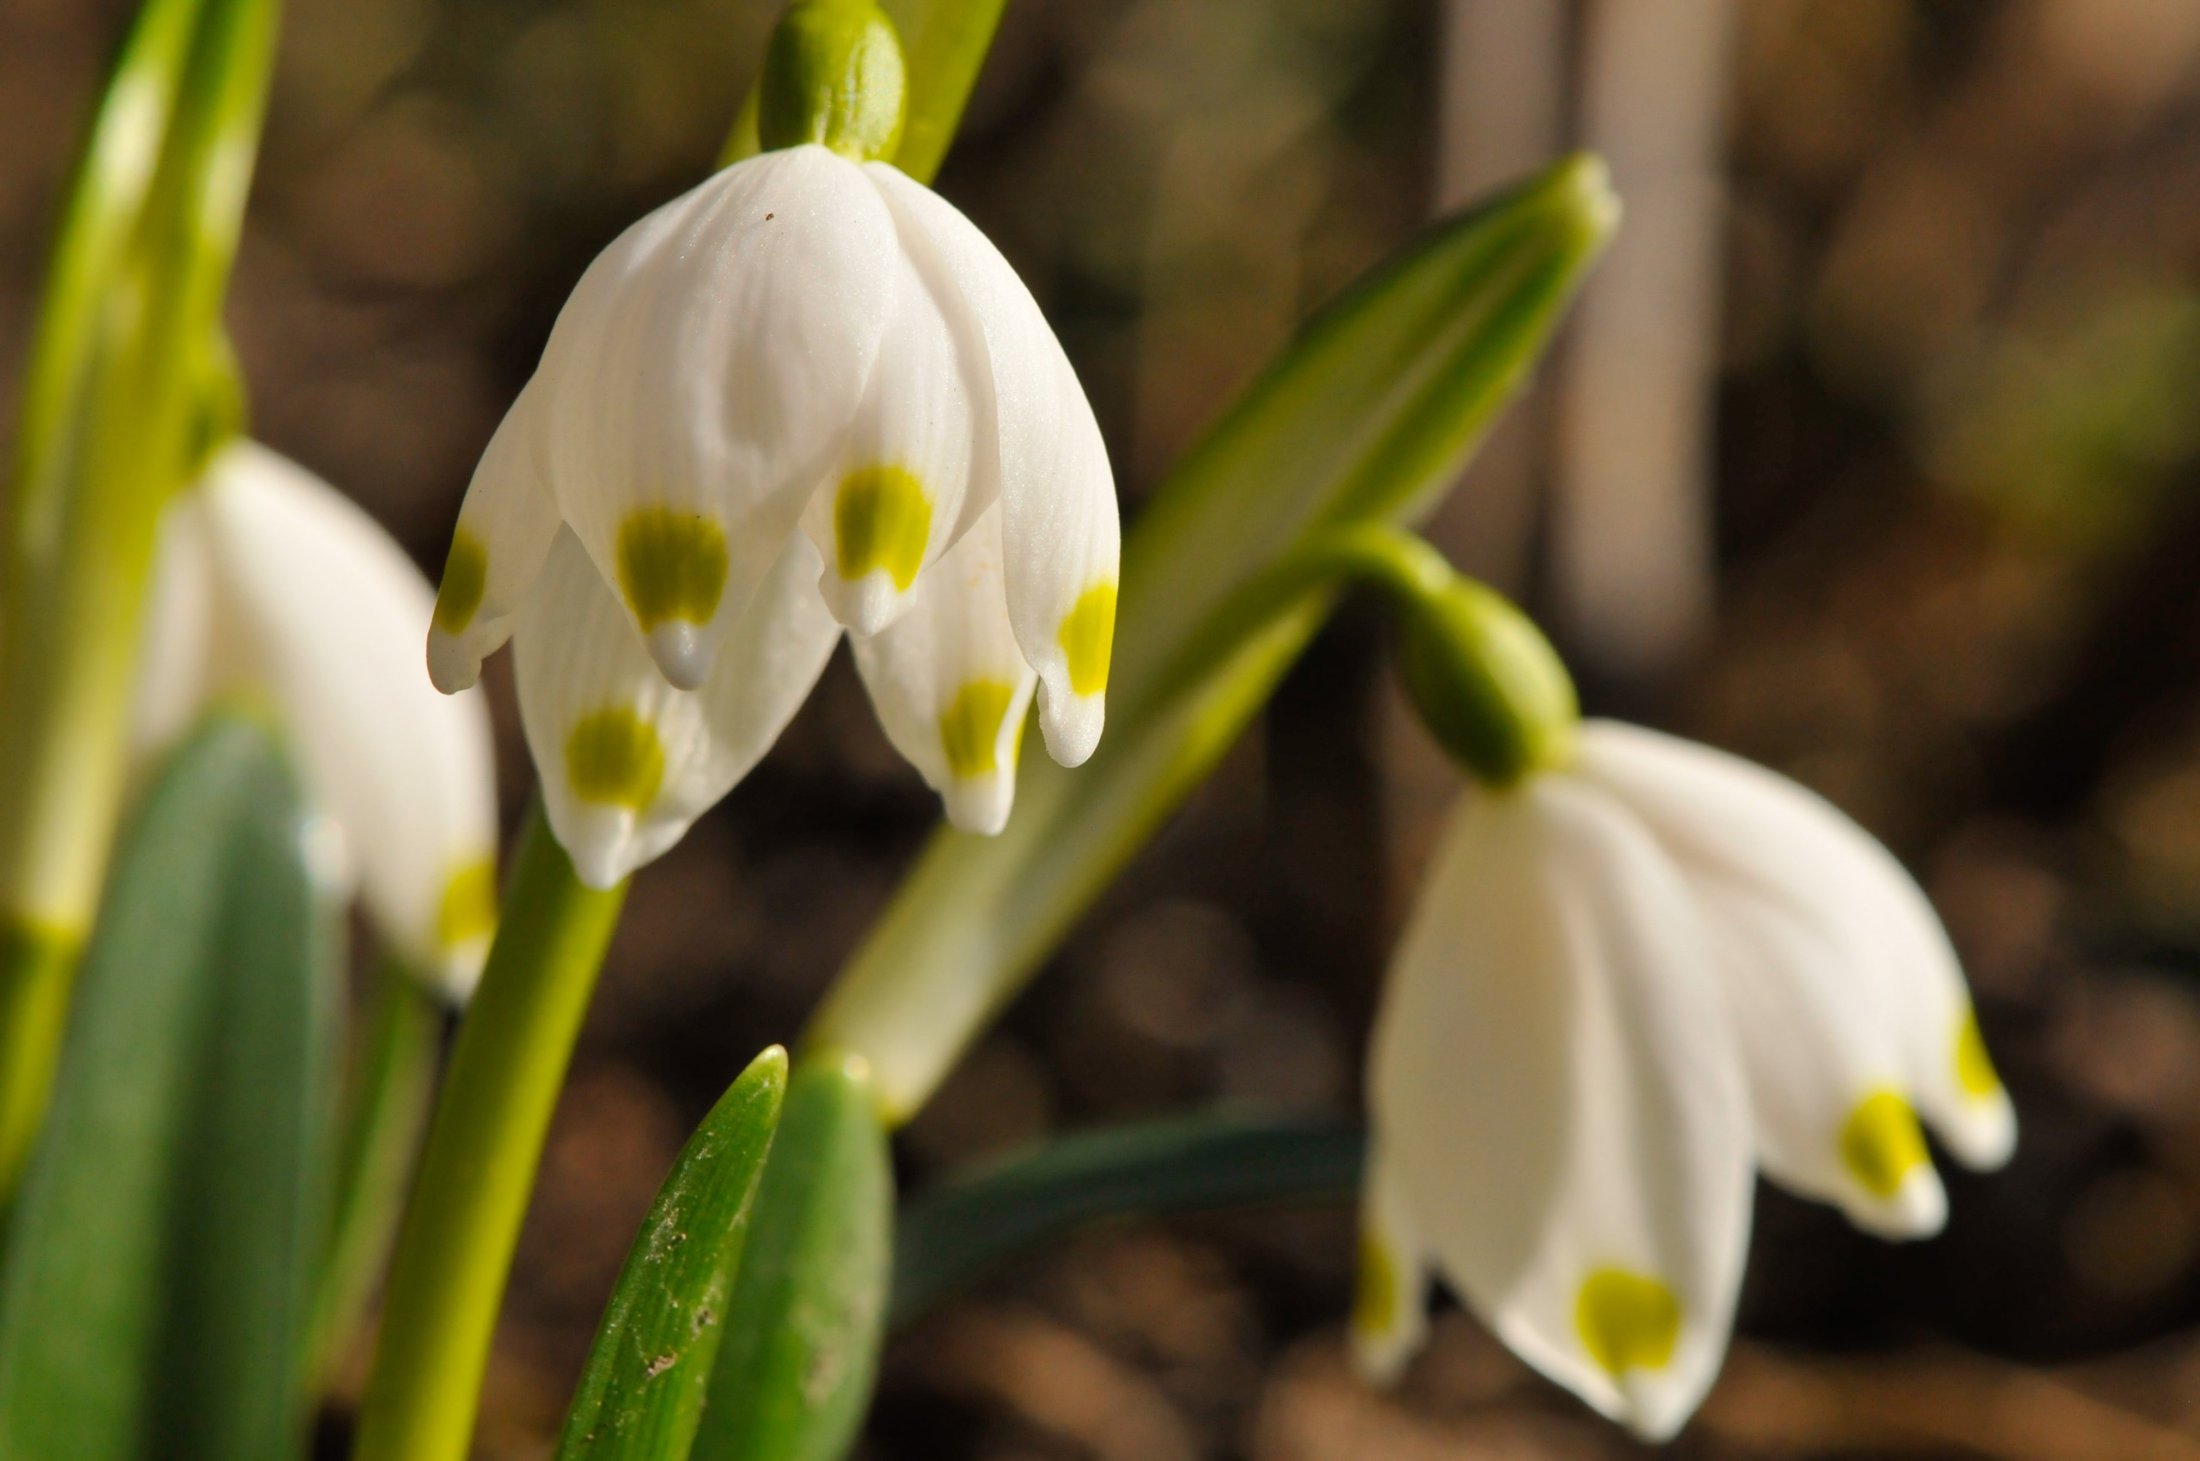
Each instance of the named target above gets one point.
<point>333,608</point>
<point>701,381</point>
<point>1555,1085</point>
<point>1717,810</point>
<point>504,528</point>
<point>950,685</point>
<point>1390,1309</point>
<point>627,761</point>
<point>1061,537</point>
<point>1826,1074</point>
<point>894,501</point>
<point>175,668</point>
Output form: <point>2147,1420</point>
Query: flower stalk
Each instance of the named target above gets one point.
<point>454,1251</point>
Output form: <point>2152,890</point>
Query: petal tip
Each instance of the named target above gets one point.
<point>681,652</point>
<point>1916,1210</point>
<point>1070,723</point>
<point>453,664</point>
<point>1984,1136</point>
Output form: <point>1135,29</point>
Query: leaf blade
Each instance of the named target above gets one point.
<point>161,1263</point>
<point>641,1393</point>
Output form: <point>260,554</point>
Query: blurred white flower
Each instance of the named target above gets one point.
<point>270,581</point>
<point>808,395</point>
<point>1627,985</point>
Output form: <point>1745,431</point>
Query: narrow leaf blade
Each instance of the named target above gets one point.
<point>641,1395</point>
<point>962,1230</point>
<point>161,1261</point>
<point>809,1304</point>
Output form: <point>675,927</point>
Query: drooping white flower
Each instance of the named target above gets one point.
<point>271,581</point>
<point>808,395</point>
<point>1627,985</point>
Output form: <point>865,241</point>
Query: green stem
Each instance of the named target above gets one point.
<point>393,1089</point>
<point>454,1252</point>
<point>34,990</point>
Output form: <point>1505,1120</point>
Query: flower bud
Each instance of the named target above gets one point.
<point>833,74</point>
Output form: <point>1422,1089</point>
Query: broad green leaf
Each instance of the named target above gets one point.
<point>161,1261</point>
<point>809,1303</point>
<point>962,1230</point>
<point>1368,417</point>
<point>943,45</point>
<point>641,1395</point>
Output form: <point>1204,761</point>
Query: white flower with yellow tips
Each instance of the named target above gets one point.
<point>271,582</point>
<point>807,396</point>
<point>1629,983</point>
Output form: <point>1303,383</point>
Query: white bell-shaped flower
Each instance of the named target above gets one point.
<point>1627,985</point>
<point>808,395</point>
<point>270,581</point>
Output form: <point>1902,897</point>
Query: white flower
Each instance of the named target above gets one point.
<point>1628,984</point>
<point>808,395</point>
<point>270,581</point>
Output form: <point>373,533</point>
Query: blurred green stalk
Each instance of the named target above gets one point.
<point>392,1092</point>
<point>454,1252</point>
<point>127,338</point>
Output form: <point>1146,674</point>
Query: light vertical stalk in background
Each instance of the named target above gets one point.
<point>1631,533</point>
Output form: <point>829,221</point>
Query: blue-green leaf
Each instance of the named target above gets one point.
<point>161,1260</point>
<point>963,1229</point>
<point>641,1394</point>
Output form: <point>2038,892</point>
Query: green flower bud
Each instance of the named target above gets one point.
<point>833,74</point>
<point>1487,683</point>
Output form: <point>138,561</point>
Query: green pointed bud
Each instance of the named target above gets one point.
<point>1487,683</point>
<point>833,74</point>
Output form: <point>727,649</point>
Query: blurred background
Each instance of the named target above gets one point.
<point>1870,454</point>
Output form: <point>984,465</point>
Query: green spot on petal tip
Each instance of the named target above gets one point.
<point>881,520</point>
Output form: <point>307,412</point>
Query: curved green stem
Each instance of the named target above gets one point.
<point>454,1251</point>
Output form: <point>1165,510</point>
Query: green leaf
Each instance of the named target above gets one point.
<point>641,1395</point>
<point>964,1229</point>
<point>161,1262</point>
<point>943,46</point>
<point>809,1304</point>
<point>1369,417</point>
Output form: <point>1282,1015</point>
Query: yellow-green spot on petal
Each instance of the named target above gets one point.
<point>1375,1297</point>
<point>613,756</point>
<point>672,565</point>
<point>970,727</point>
<point>1975,1071</point>
<point>881,519</point>
<point>465,578</point>
<point>468,909</point>
<point>1881,1143</point>
<point>1088,638</point>
<point>1627,1321</point>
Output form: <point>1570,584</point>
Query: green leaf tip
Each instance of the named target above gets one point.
<point>809,1304</point>
<point>641,1394</point>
